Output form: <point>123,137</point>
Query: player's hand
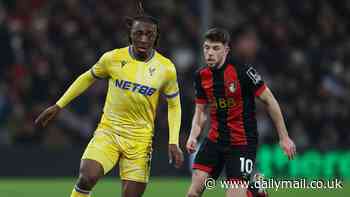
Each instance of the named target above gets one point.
<point>47,115</point>
<point>191,145</point>
<point>288,147</point>
<point>175,153</point>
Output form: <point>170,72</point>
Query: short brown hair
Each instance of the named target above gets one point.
<point>218,35</point>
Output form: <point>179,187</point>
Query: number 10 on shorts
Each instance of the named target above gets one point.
<point>246,165</point>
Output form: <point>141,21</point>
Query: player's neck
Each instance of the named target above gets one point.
<point>144,57</point>
<point>220,64</point>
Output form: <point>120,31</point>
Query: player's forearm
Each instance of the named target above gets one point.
<point>275,113</point>
<point>174,120</point>
<point>78,87</point>
<point>195,131</point>
<point>198,121</point>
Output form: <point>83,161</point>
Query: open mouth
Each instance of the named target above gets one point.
<point>142,49</point>
<point>210,60</point>
<point>141,46</point>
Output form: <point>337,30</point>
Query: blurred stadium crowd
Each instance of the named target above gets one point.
<point>301,48</point>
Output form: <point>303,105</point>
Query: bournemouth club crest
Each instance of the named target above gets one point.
<point>232,87</point>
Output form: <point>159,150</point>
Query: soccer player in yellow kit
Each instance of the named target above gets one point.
<point>137,75</point>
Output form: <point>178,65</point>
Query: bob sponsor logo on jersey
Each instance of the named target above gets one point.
<point>135,87</point>
<point>224,103</point>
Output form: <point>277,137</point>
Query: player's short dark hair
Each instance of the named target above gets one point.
<point>218,35</point>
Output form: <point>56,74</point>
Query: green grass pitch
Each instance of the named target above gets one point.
<point>110,187</point>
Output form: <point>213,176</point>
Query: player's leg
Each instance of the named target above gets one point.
<point>208,163</point>
<point>90,172</point>
<point>239,191</point>
<point>251,191</point>
<point>133,188</point>
<point>134,165</point>
<point>99,157</point>
<point>198,183</point>
<point>255,186</point>
<point>240,162</point>
<point>199,177</point>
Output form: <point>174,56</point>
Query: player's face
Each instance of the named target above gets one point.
<point>215,53</point>
<point>143,36</point>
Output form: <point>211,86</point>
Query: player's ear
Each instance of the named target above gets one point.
<point>227,48</point>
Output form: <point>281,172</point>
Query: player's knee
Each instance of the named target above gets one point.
<point>87,181</point>
<point>89,173</point>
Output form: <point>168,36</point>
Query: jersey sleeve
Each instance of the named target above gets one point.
<point>171,87</point>
<point>253,80</point>
<point>171,92</point>
<point>99,70</point>
<point>200,95</point>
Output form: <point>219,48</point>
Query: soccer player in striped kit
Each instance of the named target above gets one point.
<point>228,91</point>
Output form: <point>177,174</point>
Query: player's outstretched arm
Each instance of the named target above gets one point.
<point>199,118</point>
<point>174,121</point>
<point>275,113</point>
<point>79,86</point>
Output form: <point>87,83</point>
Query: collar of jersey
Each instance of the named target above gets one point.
<point>219,69</point>
<point>133,57</point>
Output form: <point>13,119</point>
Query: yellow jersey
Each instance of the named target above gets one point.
<point>133,91</point>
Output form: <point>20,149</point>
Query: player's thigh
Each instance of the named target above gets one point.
<point>135,161</point>
<point>103,149</point>
<point>209,159</point>
<point>240,162</point>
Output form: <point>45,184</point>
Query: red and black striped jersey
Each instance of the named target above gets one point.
<point>230,91</point>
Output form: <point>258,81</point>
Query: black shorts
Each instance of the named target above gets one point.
<point>239,161</point>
